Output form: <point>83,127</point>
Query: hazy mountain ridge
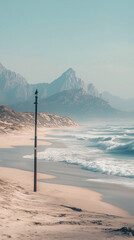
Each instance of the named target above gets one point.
<point>14,88</point>
<point>76,103</point>
<point>118,102</point>
<point>58,97</point>
<point>11,120</point>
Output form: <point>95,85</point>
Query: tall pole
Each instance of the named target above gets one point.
<point>35,143</point>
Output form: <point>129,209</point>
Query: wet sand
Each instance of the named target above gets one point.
<point>56,211</point>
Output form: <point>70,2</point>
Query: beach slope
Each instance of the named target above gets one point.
<point>56,211</point>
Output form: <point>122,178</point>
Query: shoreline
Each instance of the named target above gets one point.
<point>64,197</point>
<point>56,209</point>
<point>24,140</point>
<point>24,137</point>
<point>24,179</point>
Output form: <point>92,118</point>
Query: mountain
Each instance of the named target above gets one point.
<point>76,103</point>
<point>14,88</point>
<point>11,120</point>
<point>66,81</point>
<point>67,95</point>
<point>119,103</point>
<point>1,68</point>
<point>92,90</point>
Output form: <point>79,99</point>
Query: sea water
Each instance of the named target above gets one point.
<point>104,148</point>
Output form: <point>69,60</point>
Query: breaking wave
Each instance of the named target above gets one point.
<point>99,150</point>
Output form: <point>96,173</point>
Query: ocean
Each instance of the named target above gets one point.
<point>106,148</point>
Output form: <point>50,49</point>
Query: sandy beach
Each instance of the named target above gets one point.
<point>55,211</point>
<point>24,137</point>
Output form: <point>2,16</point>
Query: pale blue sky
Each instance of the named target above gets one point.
<point>41,39</point>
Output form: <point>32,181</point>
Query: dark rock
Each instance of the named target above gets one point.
<point>37,223</point>
<point>73,208</point>
<point>128,231</point>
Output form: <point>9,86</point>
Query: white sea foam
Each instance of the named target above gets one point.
<point>125,182</point>
<point>88,159</point>
<point>105,150</point>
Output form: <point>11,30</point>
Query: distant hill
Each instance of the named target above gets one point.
<point>11,120</point>
<point>119,103</point>
<point>76,103</point>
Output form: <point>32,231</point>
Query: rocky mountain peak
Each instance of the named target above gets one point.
<point>10,80</point>
<point>68,80</point>
<point>69,71</point>
<point>92,90</point>
<point>69,75</point>
<point>2,68</point>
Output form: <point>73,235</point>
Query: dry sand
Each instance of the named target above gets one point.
<point>23,138</point>
<point>55,211</point>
